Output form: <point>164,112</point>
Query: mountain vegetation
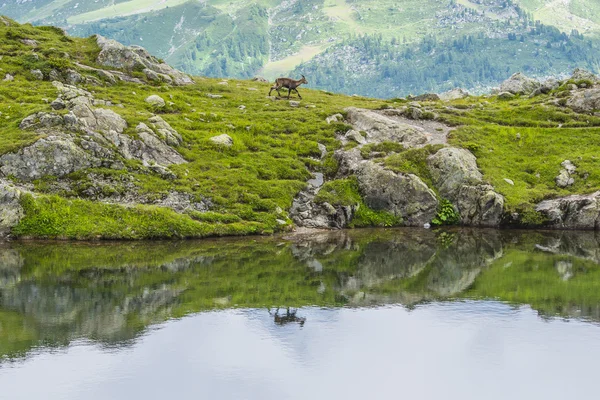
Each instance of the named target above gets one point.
<point>412,47</point>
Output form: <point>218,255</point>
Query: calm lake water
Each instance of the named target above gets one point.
<point>366,314</point>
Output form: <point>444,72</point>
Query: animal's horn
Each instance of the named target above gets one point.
<point>302,75</point>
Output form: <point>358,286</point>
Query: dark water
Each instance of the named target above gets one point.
<point>464,314</point>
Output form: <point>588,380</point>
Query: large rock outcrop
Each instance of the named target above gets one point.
<point>89,137</point>
<point>454,172</point>
<point>381,128</point>
<point>572,212</point>
<point>11,211</point>
<point>519,84</point>
<point>403,195</point>
<point>114,54</point>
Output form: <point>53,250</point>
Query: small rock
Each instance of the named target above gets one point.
<point>569,166</point>
<point>37,74</point>
<point>223,83</point>
<point>214,96</point>
<point>334,118</point>
<point>223,140</point>
<point>427,225</point>
<point>58,104</point>
<point>280,221</point>
<point>506,96</point>
<point>242,107</point>
<point>294,103</point>
<point>29,42</point>
<point>155,100</point>
<point>356,136</point>
<point>8,78</point>
<point>509,181</point>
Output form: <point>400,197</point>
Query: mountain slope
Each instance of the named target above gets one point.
<point>273,37</point>
<point>99,140</point>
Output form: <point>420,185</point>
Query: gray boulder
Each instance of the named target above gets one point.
<point>585,101</point>
<point>480,205</point>
<point>381,128</point>
<point>114,54</point>
<point>73,77</point>
<point>155,100</point>
<point>11,211</point>
<point>452,168</point>
<point>222,140</point>
<point>403,195</point>
<point>454,172</point>
<point>572,212</point>
<point>519,84</point>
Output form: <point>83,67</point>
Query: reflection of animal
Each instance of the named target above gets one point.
<point>287,318</point>
<point>289,84</point>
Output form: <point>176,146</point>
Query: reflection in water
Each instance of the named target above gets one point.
<point>54,293</point>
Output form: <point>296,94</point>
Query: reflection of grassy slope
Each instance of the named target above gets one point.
<point>532,278</point>
<point>122,283</point>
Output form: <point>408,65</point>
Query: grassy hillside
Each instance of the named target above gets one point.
<point>273,37</point>
<point>251,185</point>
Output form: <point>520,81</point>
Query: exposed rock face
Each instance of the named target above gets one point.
<point>381,128</point>
<point>480,205</point>
<point>37,74</point>
<point>116,55</point>
<point>584,101</point>
<point>10,209</point>
<point>89,137</point>
<point>454,94</point>
<point>307,213</point>
<point>452,168</point>
<point>519,84</point>
<point>572,212</point>
<point>403,195</point>
<point>454,172</point>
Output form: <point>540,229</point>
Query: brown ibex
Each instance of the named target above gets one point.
<point>288,83</point>
<point>288,317</point>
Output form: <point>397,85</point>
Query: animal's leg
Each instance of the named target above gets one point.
<point>298,93</point>
<point>289,92</point>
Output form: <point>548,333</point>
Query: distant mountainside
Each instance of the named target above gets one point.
<point>382,48</point>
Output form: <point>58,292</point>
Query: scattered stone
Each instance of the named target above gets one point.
<point>259,79</point>
<point>214,96</point>
<point>454,94</point>
<point>425,97</point>
<point>155,100</point>
<point>334,118</point>
<point>242,107</point>
<point>29,42</point>
<point>294,103</point>
<point>506,96</point>
<point>509,181</point>
<point>222,140</point>
<point>8,78</point>
<point>223,83</point>
<point>37,74</point>
<point>565,177</point>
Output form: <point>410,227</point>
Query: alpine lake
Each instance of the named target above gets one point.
<point>356,314</point>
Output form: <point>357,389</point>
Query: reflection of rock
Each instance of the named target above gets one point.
<point>455,268</point>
